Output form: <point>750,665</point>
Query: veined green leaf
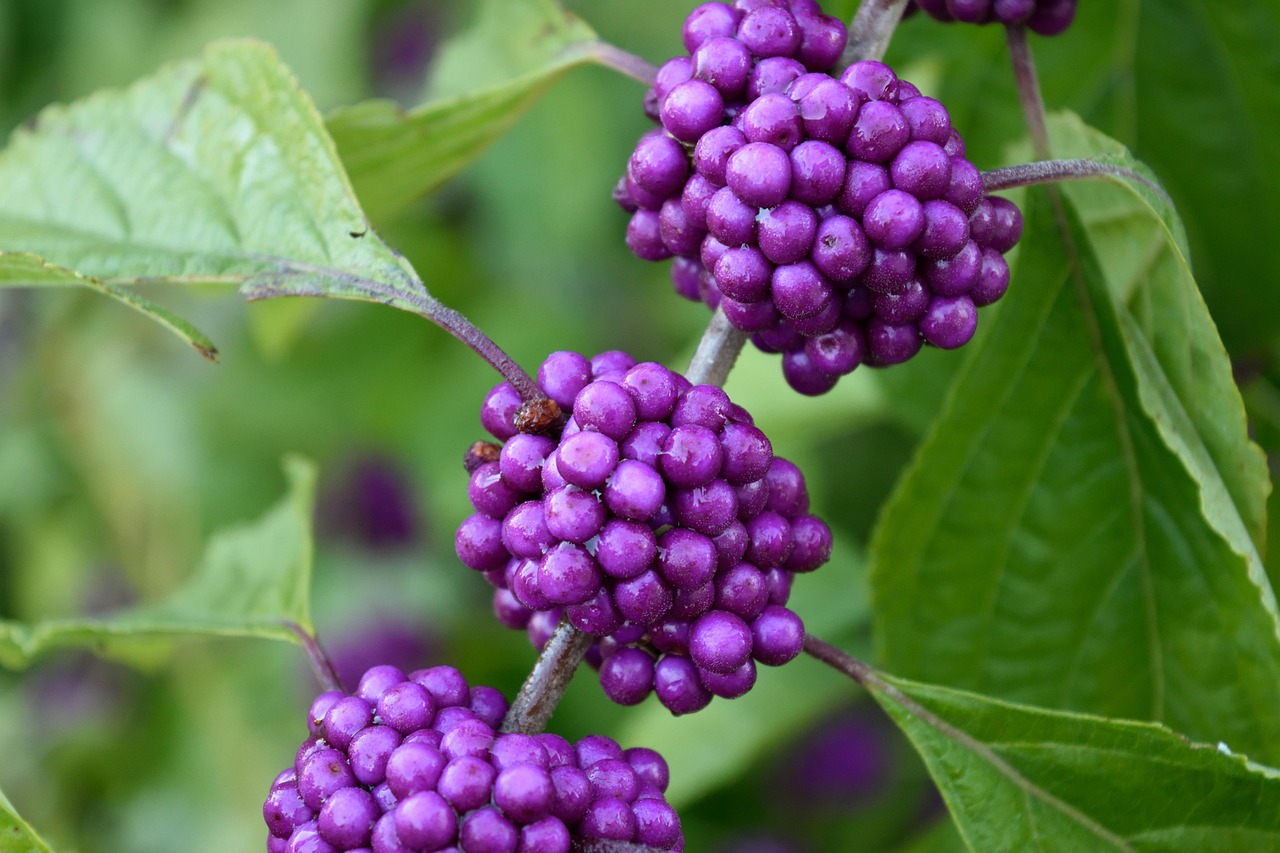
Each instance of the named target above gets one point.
<point>1018,778</point>
<point>1190,393</point>
<point>1067,535</point>
<point>22,269</point>
<point>217,170</point>
<point>253,581</point>
<point>483,82</point>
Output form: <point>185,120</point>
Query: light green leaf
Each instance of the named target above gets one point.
<point>253,581</point>
<point>1020,778</point>
<point>22,269</point>
<point>16,835</point>
<point>218,170</point>
<point>1065,536</point>
<point>484,81</point>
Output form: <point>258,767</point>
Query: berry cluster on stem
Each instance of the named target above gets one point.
<point>656,519</point>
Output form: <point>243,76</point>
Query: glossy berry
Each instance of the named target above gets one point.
<point>833,219</point>
<point>658,517</point>
<point>454,780</point>
<point>1046,17</point>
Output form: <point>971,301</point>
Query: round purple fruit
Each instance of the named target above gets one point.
<point>656,518</point>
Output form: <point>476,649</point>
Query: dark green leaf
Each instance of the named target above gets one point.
<point>1205,121</point>
<point>1142,251</point>
<point>1065,536</point>
<point>254,581</point>
<point>1022,778</point>
<point>218,170</point>
<point>16,835</point>
<point>484,81</point>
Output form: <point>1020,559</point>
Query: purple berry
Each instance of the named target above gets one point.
<point>677,686</point>
<point>730,685</point>
<point>774,119</point>
<point>346,819</point>
<point>568,574</point>
<point>708,21</point>
<point>903,305</point>
<point>658,166</point>
<point>804,376</point>
<point>799,290</point>
<point>890,343</point>
<point>893,219</point>
<point>827,108</point>
<point>871,81</point>
<point>777,636</point>
<point>922,169</point>
<point>691,109</point>
<point>627,676</point>
<point>773,75</point>
<point>992,281</point>
<point>928,120</point>
<point>572,514</point>
<point>759,174</point>
<point>691,456</point>
<point>770,31</point>
<point>285,810</point>
<point>743,274</point>
<point>587,458</point>
<point>720,642</point>
<point>786,232</point>
<point>725,63</point>
<point>487,831</point>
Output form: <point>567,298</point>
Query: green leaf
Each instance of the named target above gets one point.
<point>484,81</point>
<point>1065,536</point>
<point>1142,252</point>
<point>1019,778</point>
<point>218,170</point>
<point>253,581</point>
<point>22,269</point>
<point>16,835</point>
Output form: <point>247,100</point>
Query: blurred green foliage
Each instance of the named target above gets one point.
<point>121,454</point>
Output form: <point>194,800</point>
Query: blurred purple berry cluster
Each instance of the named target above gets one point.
<point>414,763</point>
<point>835,219</point>
<point>658,520</point>
<point>1046,17</point>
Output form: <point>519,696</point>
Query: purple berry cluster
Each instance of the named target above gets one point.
<point>414,763</point>
<point>1046,17</point>
<point>836,220</point>
<point>658,520</point>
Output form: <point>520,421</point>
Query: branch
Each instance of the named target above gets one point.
<point>320,664</point>
<point>871,29</point>
<point>1053,171</point>
<point>612,56</point>
<point>542,690</point>
<point>602,845</point>
<point>456,324</point>
<point>1024,73</point>
<point>717,351</point>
